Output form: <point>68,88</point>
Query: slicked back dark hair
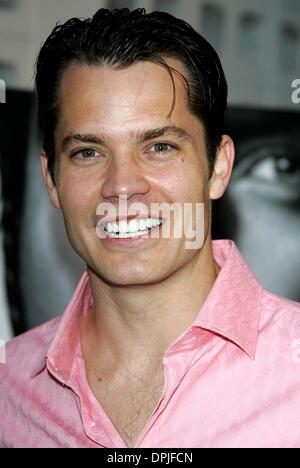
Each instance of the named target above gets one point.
<point>120,38</point>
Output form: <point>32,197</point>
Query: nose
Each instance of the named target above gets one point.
<point>124,177</point>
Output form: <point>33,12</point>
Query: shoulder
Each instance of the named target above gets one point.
<point>280,322</point>
<point>22,398</point>
<point>280,307</point>
<point>25,353</point>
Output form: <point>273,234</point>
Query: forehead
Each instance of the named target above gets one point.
<point>94,96</point>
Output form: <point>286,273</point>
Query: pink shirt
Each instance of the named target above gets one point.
<point>232,379</point>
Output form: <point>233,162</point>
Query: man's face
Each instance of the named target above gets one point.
<point>116,106</point>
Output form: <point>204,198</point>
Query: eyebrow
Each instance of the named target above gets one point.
<point>138,136</point>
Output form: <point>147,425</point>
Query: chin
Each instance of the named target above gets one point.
<point>129,278</point>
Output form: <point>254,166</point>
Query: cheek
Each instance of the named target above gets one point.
<point>76,192</point>
<point>186,183</point>
<point>170,181</point>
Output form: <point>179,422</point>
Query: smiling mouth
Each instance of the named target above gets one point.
<point>136,233</point>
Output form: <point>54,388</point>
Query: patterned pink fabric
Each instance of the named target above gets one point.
<point>232,379</point>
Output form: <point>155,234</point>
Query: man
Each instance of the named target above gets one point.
<point>165,343</point>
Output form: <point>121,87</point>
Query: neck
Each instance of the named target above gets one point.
<point>130,323</point>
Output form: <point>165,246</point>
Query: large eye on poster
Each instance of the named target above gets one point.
<point>260,210</point>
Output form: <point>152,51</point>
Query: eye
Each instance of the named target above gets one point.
<point>85,154</point>
<point>273,167</point>
<point>163,147</point>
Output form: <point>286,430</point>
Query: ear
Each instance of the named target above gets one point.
<point>49,183</point>
<point>222,168</point>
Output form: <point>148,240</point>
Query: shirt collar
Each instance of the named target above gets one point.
<point>232,309</point>
<point>59,355</point>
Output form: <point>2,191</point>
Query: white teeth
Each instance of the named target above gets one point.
<point>142,224</point>
<point>149,223</point>
<point>123,227</point>
<point>133,228</point>
<point>109,227</point>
